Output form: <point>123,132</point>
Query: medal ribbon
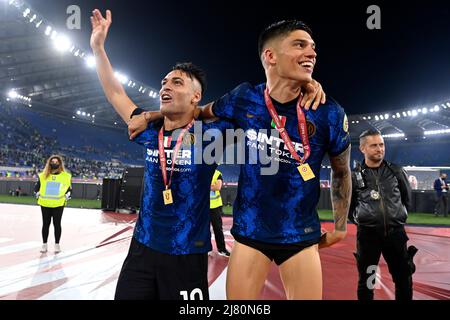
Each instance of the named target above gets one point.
<point>302,128</point>
<point>162,154</point>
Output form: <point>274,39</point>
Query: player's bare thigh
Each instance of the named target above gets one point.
<point>302,275</point>
<point>247,272</point>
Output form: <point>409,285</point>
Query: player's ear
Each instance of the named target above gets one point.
<point>197,97</point>
<point>269,56</point>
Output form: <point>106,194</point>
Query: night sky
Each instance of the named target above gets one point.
<point>405,64</point>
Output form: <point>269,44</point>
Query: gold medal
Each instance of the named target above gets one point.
<point>167,195</point>
<point>375,195</point>
<point>306,172</point>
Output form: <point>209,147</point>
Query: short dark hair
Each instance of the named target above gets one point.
<point>193,72</point>
<point>370,132</point>
<point>280,28</point>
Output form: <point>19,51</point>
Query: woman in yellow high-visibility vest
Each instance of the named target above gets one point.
<point>215,210</point>
<point>53,189</point>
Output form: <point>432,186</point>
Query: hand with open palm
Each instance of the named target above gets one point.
<point>100,27</point>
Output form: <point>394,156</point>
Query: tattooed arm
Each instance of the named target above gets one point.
<point>341,191</point>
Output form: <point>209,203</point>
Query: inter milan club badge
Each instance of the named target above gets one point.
<point>311,128</point>
<point>189,139</point>
<point>375,195</point>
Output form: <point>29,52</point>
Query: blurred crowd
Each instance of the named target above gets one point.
<point>24,150</point>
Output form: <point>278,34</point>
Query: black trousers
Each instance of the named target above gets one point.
<point>216,221</point>
<point>371,243</point>
<point>441,204</point>
<point>47,215</point>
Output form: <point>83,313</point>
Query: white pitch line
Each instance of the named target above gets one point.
<point>89,273</point>
<point>4,240</point>
<point>19,247</point>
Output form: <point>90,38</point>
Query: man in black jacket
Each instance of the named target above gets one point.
<point>380,200</point>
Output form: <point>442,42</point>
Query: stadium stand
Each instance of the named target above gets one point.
<point>53,103</point>
<point>28,138</point>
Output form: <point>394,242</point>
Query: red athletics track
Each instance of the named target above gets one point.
<point>95,244</point>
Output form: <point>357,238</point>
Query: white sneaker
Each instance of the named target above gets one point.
<point>224,253</point>
<point>44,248</point>
<point>57,248</point>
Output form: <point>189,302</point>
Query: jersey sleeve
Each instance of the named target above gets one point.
<point>227,106</point>
<point>220,125</point>
<point>339,131</point>
<point>217,131</point>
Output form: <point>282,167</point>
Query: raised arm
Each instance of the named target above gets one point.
<point>341,191</point>
<point>205,112</point>
<point>112,87</point>
<point>313,96</point>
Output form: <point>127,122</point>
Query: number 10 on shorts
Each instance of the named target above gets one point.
<point>196,292</point>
